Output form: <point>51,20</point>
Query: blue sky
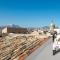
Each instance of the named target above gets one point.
<point>29,13</point>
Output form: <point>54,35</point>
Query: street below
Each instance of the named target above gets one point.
<point>44,53</point>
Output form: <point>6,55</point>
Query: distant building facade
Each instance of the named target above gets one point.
<point>14,30</point>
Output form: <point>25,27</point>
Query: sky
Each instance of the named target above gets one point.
<point>29,13</point>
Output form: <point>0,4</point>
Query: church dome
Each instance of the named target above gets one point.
<point>52,25</point>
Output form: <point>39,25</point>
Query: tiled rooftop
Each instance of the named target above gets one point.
<point>20,45</point>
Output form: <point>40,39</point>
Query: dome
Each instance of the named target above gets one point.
<point>52,25</point>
